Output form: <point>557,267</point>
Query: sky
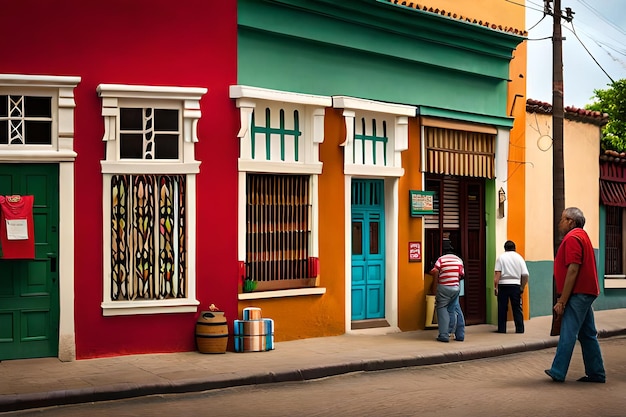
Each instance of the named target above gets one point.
<point>600,25</point>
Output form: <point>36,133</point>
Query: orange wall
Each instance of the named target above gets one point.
<point>319,315</point>
<point>411,294</point>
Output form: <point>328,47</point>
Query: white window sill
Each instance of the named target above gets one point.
<point>128,308</point>
<point>615,281</point>
<point>282,293</point>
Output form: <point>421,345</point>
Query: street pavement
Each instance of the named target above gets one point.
<point>32,383</point>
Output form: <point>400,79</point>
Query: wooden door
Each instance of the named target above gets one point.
<point>29,291</point>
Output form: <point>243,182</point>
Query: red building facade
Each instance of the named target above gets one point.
<point>116,116</point>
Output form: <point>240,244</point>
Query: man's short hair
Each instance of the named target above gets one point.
<point>509,245</point>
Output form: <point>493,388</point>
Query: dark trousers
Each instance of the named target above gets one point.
<point>513,293</point>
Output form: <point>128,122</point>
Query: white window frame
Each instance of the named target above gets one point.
<point>187,101</point>
<point>311,109</point>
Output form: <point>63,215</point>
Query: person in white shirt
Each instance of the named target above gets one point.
<point>510,279</point>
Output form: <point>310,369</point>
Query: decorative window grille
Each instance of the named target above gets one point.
<point>149,176</point>
<point>278,213</point>
<point>279,163</point>
<point>370,142</point>
<point>25,120</point>
<point>285,137</point>
<point>148,237</point>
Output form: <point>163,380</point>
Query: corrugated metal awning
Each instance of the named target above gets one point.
<point>613,193</point>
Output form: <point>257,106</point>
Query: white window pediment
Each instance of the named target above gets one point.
<point>376,135</point>
<point>280,131</point>
<point>185,101</point>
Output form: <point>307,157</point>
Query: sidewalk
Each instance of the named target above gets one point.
<point>32,383</point>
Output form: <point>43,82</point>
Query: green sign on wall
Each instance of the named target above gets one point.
<point>421,202</point>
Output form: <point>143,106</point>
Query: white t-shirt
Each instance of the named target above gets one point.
<point>512,266</point>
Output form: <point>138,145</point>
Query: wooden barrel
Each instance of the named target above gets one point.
<point>212,332</point>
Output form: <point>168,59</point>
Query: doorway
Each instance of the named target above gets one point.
<point>29,289</point>
<point>460,216</point>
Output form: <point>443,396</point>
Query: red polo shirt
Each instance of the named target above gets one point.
<point>576,248</point>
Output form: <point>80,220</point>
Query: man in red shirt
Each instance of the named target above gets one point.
<point>576,280</point>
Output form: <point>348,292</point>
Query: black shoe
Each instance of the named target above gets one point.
<point>599,380</point>
<point>443,340</point>
<point>549,373</point>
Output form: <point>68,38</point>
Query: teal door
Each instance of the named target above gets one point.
<point>368,249</point>
<point>29,291</point>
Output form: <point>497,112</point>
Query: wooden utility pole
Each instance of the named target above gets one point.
<point>558,180</point>
<point>558,176</point>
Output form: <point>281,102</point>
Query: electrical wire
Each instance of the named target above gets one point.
<point>523,5</point>
<point>601,17</point>
<point>533,26</point>
<point>590,54</point>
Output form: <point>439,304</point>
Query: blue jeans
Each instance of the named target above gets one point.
<point>578,322</point>
<point>457,320</point>
<point>444,303</point>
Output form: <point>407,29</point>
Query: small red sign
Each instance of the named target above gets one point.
<point>415,251</point>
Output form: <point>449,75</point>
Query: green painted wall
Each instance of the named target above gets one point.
<point>540,287</point>
<point>613,297</point>
<point>376,50</point>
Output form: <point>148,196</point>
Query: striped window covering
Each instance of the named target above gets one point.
<point>446,203</point>
<point>461,153</point>
<point>278,213</point>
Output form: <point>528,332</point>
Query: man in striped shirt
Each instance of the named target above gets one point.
<point>447,274</point>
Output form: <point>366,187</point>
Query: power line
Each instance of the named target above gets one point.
<point>590,54</point>
<point>601,17</point>
<point>523,5</point>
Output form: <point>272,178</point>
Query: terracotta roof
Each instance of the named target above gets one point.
<point>456,16</point>
<point>570,112</point>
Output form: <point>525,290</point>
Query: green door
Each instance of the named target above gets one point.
<point>29,290</point>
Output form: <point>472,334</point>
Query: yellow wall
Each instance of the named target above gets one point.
<point>581,149</point>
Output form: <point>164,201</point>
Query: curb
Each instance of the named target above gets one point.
<point>18,402</point>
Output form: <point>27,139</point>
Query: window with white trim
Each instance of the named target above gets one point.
<point>149,174</point>
<point>279,167</point>
<point>37,116</point>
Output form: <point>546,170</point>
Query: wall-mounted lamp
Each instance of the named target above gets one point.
<point>501,200</point>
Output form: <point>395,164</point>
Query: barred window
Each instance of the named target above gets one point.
<point>278,234</point>
<point>25,120</point>
<point>613,253</point>
<point>148,237</point>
